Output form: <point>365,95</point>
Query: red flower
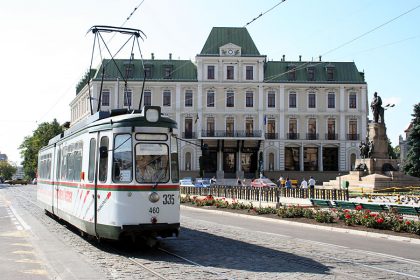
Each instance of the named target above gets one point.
<point>346,211</point>
<point>407,223</point>
<point>373,214</point>
<point>380,220</point>
<point>359,207</point>
<point>366,216</point>
<point>347,216</point>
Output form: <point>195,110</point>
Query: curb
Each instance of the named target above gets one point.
<point>326,228</point>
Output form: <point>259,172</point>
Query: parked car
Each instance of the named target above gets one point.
<point>202,182</point>
<point>263,183</point>
<point>186,182</point>
<point>16,182</point>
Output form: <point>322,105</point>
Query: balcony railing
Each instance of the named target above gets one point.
<point>293,136</point>
<point>331,136</point>
<point>311,136</point>
<point>352,136</point>
<point>235,133</point>
<point>188,135</point>
<point>271,136</point>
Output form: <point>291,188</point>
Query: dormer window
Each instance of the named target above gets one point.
<point>129,71</point>
<point>291,70</point>
<point>310,73</point>
<point>167,72</point>
<point>148,71</point>
<point>330,73</point>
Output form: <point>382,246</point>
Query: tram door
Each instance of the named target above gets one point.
<point>55,180</point>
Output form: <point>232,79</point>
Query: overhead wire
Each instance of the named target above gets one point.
<point>261,14</point>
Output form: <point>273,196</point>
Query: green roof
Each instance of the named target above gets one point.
<point>180,70</point>
<point>220,36</point>
<point>346,72</point>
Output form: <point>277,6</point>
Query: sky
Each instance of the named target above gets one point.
<point>45,48</point>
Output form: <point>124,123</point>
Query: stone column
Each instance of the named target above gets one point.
<point>302,158</point>
<point>320,159</point>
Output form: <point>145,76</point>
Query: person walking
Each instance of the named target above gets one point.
<point>311,183</point>
<point>288,183</point>
<point>304,184</point>
<point>281,179</point>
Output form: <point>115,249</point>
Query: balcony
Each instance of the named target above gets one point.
<point>311,136</point>
<point>331,136</point>
<point>234,133</point>
<point>271,136</point>
<point>292,136</point>
<point>352,136</point>
<point>188,135</point>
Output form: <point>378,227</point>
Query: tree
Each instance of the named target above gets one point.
<point>391,150</point>
<point>412,163</point>
<point>6,170</point>
<point>32,144</point>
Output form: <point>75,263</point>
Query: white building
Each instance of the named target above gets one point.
<point>294,116</point>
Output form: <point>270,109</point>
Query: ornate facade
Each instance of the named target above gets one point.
<point>251,113</point>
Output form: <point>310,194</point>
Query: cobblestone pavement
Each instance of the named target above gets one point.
<point>224,251</point>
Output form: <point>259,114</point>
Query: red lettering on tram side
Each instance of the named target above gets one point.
<point>65,195</point>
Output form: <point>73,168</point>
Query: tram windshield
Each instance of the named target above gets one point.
<point>152,164</point>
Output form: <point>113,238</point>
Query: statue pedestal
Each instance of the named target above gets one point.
<point>377,134</point>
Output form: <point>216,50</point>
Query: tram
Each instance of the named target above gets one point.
<point>114,175</point>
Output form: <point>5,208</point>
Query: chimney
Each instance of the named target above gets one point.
<point>284,57</point>
<point>170,56</point>
<point>132,56</point>
<point>320,57</point>
<point>300,58</point>
<point>153,56</point>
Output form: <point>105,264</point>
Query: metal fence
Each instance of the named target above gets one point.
<point>266,194</point>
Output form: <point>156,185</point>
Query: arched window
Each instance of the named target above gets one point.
<point>352,161</point>
<point>271,161</point>
<point>187,161</point>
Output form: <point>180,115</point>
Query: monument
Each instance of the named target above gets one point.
<point>374,170</point>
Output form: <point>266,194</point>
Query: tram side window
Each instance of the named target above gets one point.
<point>103,160</point>
<point>78,160</point>
<point>92,153</point>
<point>64,164</point>
<point>57,171</point>
<point>123,159</point>
<point>44,171</point>
<point>174,160</point>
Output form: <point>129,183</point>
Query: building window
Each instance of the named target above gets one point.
<point>129,71</point>
<point>167,72</point>
<point>166,98</point>
<point>311,129</point>
<point>210,127</point>
<point>352,101</point>
<point>249,73</point>
<point>210,98</point>
<point>249,99</point>
<point>291,70</point>
<point>230,98</point>
<point>331,100</point>
<point>105,97</point>
<point>249,127</point>
<point>210,72</point>
<point>230,126</point>
<point>187,161</point>
<point>331,129</point>
<point>353,135</point>
<point>148,71</point>
<point>271,102</point>
<point>291,158</point>
<point>147,98</point>
<point>188,128</point>
<point>271,161</point>
<point>188,98</point>
<point>310,159</point>
<point>311,100</point>
<point>311,73</point>
<point>230,72</point>
<point>292,129</point>
<point>271,129</point>
<point>330,73</point>
<point>127,97</point>
<point>292,100</point>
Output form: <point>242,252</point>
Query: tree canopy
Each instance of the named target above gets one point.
<point>32,144</point>
<point>412,163</point>
<point>6,170</point>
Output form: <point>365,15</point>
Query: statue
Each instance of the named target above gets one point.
<point>377,109</point>
<point>364,149</point>
<point>370,150</point>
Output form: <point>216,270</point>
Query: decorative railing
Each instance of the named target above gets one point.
<point>234,133</point>
<point>352,136</point>
<point>266,194</point>
<point>188,135</point>
<point>292,136</point>
<point>271,136</point>
<point>311,136</point>
<point>331,136</point>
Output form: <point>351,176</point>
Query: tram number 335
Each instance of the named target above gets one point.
<point>167,199</point>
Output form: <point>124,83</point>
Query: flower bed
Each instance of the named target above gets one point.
<point>385,222</point>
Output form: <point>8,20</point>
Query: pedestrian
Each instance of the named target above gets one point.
<point>213,181</point>
<point>304,184</point>
<point>281,180</point>
<point>239,182</point>
<point>288,183</point>
<point>311,183</point>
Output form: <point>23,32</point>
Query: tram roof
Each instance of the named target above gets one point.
<point>104,120</point>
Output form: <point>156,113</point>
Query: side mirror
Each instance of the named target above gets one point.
<point>103,152</point>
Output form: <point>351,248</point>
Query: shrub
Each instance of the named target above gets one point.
<point>322,216</point>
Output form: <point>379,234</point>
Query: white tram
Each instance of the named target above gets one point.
<point>114,176</point>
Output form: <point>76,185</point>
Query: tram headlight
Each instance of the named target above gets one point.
<point>154,197</point>
<point>152,115</point>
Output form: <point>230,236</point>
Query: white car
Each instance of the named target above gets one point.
<point>186,183</point>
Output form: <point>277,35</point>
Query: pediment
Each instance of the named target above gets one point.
<point>230,50</point>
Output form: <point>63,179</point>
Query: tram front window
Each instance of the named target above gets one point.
<point>152,165</point>
<point>123,163</point>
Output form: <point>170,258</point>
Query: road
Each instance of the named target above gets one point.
<point>212,246</point>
